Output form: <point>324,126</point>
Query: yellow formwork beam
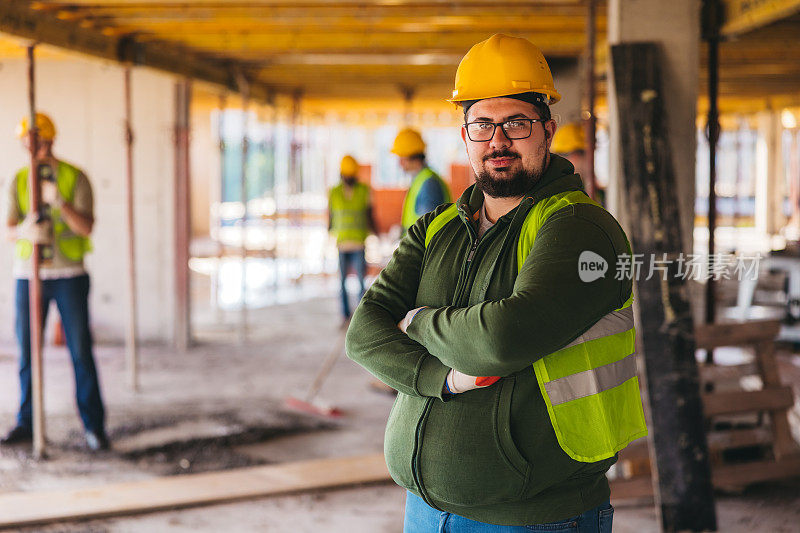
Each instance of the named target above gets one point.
<point>270,24</point>
<point>17,19</point>
<point>740,16</point>
<point>336,42</point>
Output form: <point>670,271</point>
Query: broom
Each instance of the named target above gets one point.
<point>307,404</point>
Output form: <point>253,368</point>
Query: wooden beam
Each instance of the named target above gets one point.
<point>683,481</point>
<point>722,403</point>
<point>16,18</point>
<point>740,16</point>
<point>738,438</point>
<point>713,336</point>
<point>312,4</point>
<point>25,509</point>
<point>289,41</point>
<point>735,475</point>
<point>258,21</point>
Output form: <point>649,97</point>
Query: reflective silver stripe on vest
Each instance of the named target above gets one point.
<point>591,381</point>
<point>611,324</point>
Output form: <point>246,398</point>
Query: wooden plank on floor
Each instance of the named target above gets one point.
<point>30,508</point>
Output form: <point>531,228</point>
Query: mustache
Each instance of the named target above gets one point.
<point>501,153</point>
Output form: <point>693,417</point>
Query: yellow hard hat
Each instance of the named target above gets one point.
<point>568,138</point>
<point>349,166</point>
<point>407,143</point>
<point>501,66</point>
<point>47,130</point>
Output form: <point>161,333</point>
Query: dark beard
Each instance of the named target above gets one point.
<point>349,181</point>
<point>512,187</point>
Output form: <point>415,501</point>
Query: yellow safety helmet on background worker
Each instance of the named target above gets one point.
<point>568,138</point>
<point>407,143</point>
<point>44,124</point>
<point>348,166</point>
<point>501,66</point>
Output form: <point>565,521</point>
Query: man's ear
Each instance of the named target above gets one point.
<point>464,134</point>
<point>549,130</point>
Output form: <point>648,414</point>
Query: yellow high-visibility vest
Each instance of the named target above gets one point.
<point>590,386</point>
<point>349,220</point>
<point>71,246</point>
<point>410,215</point>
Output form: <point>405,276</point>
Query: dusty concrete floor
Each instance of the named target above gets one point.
<point>219,406</point>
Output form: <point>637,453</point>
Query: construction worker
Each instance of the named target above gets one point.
<point>350,220</point>
<point>509,341</point>
<point>62,229</point>
<point>570,143</point>
<point>427,190</point>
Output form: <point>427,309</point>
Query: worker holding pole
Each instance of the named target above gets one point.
<point>61,228</point>
<point>427,190</point>
<point>502,325</point>
<point>350,220</point>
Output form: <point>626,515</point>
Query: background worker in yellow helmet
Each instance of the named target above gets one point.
<point>511,346</point>
<point>570,143</point>
<point>350,220</point>
<point>427,190</point>
<point>63,230</point>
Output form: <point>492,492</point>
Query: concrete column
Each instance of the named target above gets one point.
<point>769,174</point>
<point>675,24</point>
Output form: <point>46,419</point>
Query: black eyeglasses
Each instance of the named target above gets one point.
<point>514,129</point>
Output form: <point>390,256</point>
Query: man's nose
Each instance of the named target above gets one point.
<point>499,139</point>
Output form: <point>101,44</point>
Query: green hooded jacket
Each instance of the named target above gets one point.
<point>488,454</point>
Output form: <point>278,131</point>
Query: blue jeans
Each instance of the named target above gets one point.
<point>421,518</point>
<point>359,262</point>
<point>72,299</point>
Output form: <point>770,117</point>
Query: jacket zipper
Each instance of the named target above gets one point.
<point>420,430</point>
<point>415,461</point>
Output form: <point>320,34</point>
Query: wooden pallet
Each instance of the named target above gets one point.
<point>727,399</point>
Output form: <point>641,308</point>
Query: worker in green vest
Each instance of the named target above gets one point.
<point>350,220</point>
<point>504,328</point>
<point>427,190</point>
<point>62,229</point>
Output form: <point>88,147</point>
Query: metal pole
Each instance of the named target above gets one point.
<point>215,276</point>
<point>182,299</point>
<point>408,104</point>
<point>590,122</point>
<point>244,87</point>
<point>34,282</point>
<point>713,136</point>
<point>131,349</point>
<point>296,177</point>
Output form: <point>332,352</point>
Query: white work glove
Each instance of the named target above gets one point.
<point>37,233</point>
<point>458,382</point>
<point>403,324</point>
<point>50,194</point>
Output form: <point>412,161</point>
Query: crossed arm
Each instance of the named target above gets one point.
<point>548,307</point>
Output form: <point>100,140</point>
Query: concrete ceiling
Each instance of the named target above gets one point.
<point>363,49</point>
<point>319,48</point>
